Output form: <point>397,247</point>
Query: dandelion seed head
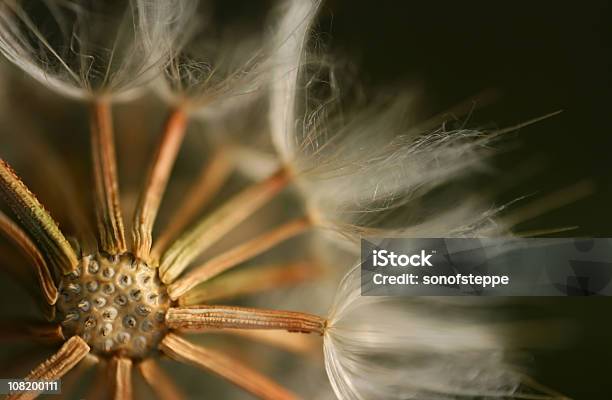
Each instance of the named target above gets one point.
<point>354,170</point>
<point>117,305</point>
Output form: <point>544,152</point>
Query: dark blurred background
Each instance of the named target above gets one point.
<point>536,57</point>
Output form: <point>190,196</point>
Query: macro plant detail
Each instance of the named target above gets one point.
<point>134,296</point>
<point>115,305</point>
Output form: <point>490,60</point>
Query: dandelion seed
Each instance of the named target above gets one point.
<point>410,354</point>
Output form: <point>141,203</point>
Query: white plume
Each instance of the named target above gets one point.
<point>223,65</point>
<point>372,176</point>
<point>395,348</point>
<point>291,40</point>
<point>85,49</point>
<point>363,169</point>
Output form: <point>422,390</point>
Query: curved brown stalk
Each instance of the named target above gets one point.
<point>29,249</point>
<point>305,345</point>
<point>99,389</point>
<point>211,228</point>
<point>163,386</point>
<point>31,331</point>
<point>248,379</point>
<point>120,370</point>
<point>56,366</point>
<point>155,185</point>
<point>11,263</point>
<point>548,203</point>
<point>249,281</point>
<point>237,255</point>
<point>212,177</point>
<point>59,185</point>
<point>231,317</point>
<point>532,383</point>
<point>108,210</point>
<point>71,381</point>
<point>19,363</point>
<point>37,221</point>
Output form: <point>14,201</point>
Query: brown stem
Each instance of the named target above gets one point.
<point>107,204</point>
<point>163,386</point>
<point>56,366</point>
<point>37,221</point>
<point>212,177</point>
<point>532,383</point>
<point>12,263</point>
<point>248,379</point>
<point>60,190</point>
<point>120,370</point>
<point>99,390</point>
<point>237,255</point>
<point>31,331</point>
<point>308,345</point>
<point>20,360</point>
<point>73,379</point>
<point>155,185</point>
<point>249,281</point>
<point>548,203</point>
<point>210,229</point>
<point>230,317</point>
<point>29,249</point>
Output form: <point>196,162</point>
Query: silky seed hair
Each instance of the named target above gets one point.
<point>121,305</point>
<point>90,49</point>
<point>365,164</point>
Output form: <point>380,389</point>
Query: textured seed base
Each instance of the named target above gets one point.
<point>117,305</point>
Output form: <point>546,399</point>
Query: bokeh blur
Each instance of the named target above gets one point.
<point>535,58</point>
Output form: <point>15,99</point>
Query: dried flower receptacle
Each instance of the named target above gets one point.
<point>117,304</point>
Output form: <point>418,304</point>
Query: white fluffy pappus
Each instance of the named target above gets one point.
<point>89,49</point>
<point>272,67</point>
<point>398,348</point>
<point>362,174</point>
<point>289,57</point>
<point>363,169</point>
<point>220,64</point>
